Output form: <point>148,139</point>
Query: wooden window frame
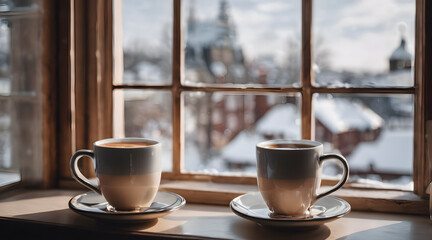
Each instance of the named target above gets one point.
<point>87,85</point>
<point>306,90</point>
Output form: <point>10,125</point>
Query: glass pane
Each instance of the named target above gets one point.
<point>374,133</point>
<point>20,141</point>
<point>242,42</point>
<point>148,114</point>
<point>5,56</point>
<point>19,46</point>
<point>363,43</point>
<point>147,41</point>
<point>5,137</point>
<point>222,129</point>
<point>20,93</point>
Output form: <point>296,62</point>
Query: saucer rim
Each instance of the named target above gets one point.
<point>296,220</point>
<point>103,213</point>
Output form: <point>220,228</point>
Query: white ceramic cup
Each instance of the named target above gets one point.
<point>289,175</point>
<point>128,170</point>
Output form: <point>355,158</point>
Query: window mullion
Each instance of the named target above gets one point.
<point>308,129</point>
<point>177,63</point>
<point>421,165</point>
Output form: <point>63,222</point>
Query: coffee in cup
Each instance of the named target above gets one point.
<point>289,175</point>
<point>128,170</point>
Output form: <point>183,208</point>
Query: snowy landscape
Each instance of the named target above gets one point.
<point>257,42</point>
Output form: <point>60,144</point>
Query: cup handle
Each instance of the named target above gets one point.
<point>76,173</point>
<point>345,175</point>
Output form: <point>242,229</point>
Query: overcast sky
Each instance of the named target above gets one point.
<point>359,34</point>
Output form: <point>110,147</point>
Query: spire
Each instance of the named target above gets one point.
<point>223,11</point>
<point>191,18</point>
<point>402,29</point>
<point>403,42</point>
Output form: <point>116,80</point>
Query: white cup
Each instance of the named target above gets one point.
<point>289,175</point>
<point>128,170</point>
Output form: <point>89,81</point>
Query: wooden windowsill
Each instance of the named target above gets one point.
<point>202,192</point>
<point>391,201</point>
<point>29,213</point>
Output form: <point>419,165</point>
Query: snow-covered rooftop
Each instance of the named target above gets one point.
<point>391,152</point>
<point>281,119</point>
<point>340,115</point>
<point>242,148</point>
<point>403,77</point>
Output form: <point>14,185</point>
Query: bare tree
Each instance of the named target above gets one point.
<point>321,54</point>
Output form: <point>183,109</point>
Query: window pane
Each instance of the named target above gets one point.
<point>9,168</point>
<point>20,93</point>
<point>147,41</point>
<point>222,129</point>
<point>20,141</point>
<point>147,114</point>
<point>374,133</point>
<point>363,43</point>
<point>242,42</point>
<point>4,56</point>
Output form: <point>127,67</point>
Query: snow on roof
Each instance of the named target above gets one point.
<point>281,119</point>
<point>401,77</point>
<point>340,115</point>
<point>242,148</point>
<point>391,152</point>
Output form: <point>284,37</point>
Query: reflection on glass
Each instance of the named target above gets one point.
<point>363,43</point>
<point>222,129</point>
<point>147,114</point>
<point>147,41</point>
<point>242,42</point>
<point>374,133</point>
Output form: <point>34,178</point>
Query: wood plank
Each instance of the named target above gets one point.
<point>370,200</point>
<point>118,120</point>
<point>308,126</point>
<point>240,88</point>
<point>91,78</point>
<point>427,178</point>
<point>65,75</point>
<point>49,96</point>
<point>25,214</point>
<point>177,102</point>
<point>360,200</point>
<point>107,47</point>
<point>420,166</point>
<point>99,71</point>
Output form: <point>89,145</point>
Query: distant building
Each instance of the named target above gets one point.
<point>213,53</point>
<point>400,58</point>
<point>345,123</point>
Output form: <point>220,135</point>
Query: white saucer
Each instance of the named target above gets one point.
<point>252,207</point>
<point>94,205</point>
